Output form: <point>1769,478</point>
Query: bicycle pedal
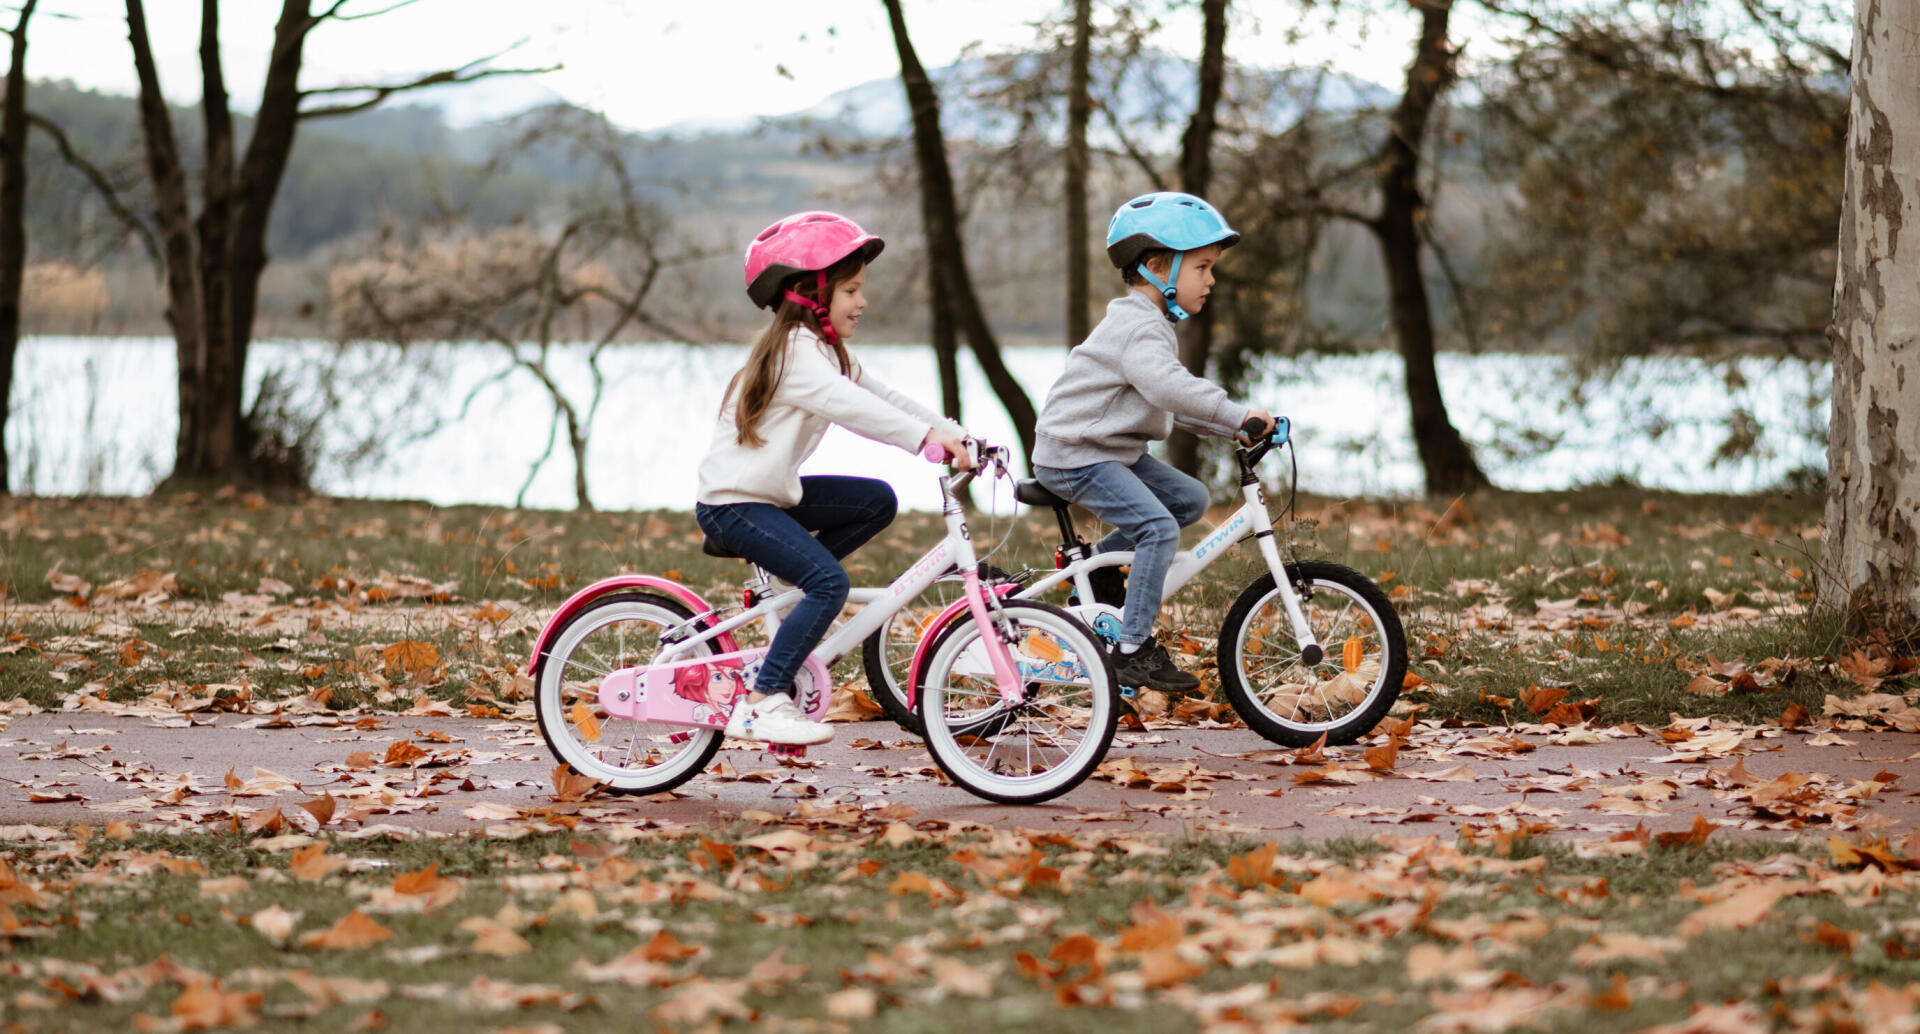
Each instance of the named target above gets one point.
<point>1127,692</point>
<point>680,737</point>
<point>787,750</point>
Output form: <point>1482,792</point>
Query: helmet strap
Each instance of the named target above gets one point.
<point>1166,287</point>
<point>831,336</point>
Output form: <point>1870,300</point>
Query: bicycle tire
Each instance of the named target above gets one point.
<point>1354,685</point>
<point>967,746</point>
<point>572,722</point>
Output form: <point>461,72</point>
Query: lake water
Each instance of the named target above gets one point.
<point>96,415</point>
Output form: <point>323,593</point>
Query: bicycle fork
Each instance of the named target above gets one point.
<point>1311,652</point>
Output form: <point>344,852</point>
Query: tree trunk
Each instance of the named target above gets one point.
<point>1448,462</point>
<point>216,419</point>
<point>945,254</point>
<point>1196,178</point>
<point>13,216</point>
<point>1872,532</point>
<point>1079,106</point>
<point>176,241</point>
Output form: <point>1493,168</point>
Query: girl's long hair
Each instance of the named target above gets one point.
<point>767,364</point>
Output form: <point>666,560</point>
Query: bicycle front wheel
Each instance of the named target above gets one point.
<point>1357,679</point>
<point>1039,747</point>
<point>620,631</point>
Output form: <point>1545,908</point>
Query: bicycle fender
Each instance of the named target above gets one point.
<point>619,583</point>
<point>954,612</point>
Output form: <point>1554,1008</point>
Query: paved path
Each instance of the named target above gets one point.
<point>66,767</point>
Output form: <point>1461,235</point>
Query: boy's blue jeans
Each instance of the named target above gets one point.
<point>1147,502</point>
<point>845,512</point>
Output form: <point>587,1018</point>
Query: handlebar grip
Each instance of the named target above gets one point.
<point>1253,427</point>
<point>934,452</point>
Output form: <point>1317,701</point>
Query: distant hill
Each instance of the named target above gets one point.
<point>404,164</point>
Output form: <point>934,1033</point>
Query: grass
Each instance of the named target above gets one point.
<point>1342,935</point>
<point>1642,578</point>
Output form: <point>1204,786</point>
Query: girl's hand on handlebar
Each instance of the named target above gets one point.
<point>955,447</point>
<point>1266,420</point>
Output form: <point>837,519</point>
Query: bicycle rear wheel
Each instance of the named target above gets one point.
<point>619,631</point>
<point>1043,745</point>
<point>887,654</point>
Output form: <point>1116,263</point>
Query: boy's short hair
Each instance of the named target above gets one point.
<point>1162,257</point>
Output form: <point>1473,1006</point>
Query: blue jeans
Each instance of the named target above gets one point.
<point>1147,503</point>
<point>845,512</point>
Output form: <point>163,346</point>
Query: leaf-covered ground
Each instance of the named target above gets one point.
<point>1675,628</point>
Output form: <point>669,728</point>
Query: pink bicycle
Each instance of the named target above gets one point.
<point>634,676</point>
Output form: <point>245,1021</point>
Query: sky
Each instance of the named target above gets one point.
<point>648,64</point>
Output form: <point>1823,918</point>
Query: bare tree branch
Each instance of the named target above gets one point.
<point>334,11</point>
<point>445,77</point>
<point>102,185</point>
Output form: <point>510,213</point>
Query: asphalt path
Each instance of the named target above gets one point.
<point>472,775</point>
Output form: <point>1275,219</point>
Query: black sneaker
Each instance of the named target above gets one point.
<point>1150,666</point>
<point>1109,586</point>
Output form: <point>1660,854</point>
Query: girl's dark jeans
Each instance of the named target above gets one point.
<point>803,544</point>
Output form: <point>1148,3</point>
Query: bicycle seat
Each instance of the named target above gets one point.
<point>1033,493</point>
<point>713,548</point>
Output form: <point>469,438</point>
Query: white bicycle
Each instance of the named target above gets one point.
<point>1308,649</point>
<point>634,676</point>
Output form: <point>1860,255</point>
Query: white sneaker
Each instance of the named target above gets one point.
<point>775,719</point>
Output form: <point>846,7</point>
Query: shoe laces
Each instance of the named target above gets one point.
<point>779,705</point>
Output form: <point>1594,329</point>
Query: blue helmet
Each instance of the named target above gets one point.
<point>1166,219</point>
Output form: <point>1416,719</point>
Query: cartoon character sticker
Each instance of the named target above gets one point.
<point>712,687</point>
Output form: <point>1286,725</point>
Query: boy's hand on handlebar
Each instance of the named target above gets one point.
<point>955,447</point>
<point>1267,423</point>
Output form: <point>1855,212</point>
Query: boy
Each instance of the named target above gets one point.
<point>1124,387</point>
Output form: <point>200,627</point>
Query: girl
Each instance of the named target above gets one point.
<point>810,268</point>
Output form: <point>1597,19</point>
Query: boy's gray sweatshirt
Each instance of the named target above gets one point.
<point>1124,387</point>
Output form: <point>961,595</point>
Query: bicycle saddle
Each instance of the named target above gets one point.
<point>713,548</point>
<point>1033,493</point>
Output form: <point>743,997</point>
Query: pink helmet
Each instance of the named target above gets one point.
<point>801,243</point>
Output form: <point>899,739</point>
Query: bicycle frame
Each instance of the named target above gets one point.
<point>1251,520</point>
<point>876,607</point>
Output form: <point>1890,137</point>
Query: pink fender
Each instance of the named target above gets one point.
<point>955,610</point>
<point>605,586</point>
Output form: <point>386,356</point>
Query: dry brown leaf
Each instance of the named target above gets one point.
<point>312,863</point>
<point>352,933</point>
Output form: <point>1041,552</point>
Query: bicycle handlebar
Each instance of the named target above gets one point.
<point>1282,429</point>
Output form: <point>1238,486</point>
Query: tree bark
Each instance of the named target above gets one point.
<point>217,413</point>
<point>1196,178</point>
<point>13,217</point>
<point>1079,107</point>
<point>945,254</point>
<point>1448,462</point>
<point>1873,452</point>
<point>213,264</point>
<point>176,239</point>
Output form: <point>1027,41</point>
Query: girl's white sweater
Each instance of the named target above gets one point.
<point>812,394</point>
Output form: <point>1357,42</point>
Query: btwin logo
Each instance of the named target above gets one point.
<point>1222,536</point>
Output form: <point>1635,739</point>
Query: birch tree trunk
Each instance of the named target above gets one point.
<point>1873,449</point>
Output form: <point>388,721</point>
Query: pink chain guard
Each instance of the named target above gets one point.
<point>647,694</point>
